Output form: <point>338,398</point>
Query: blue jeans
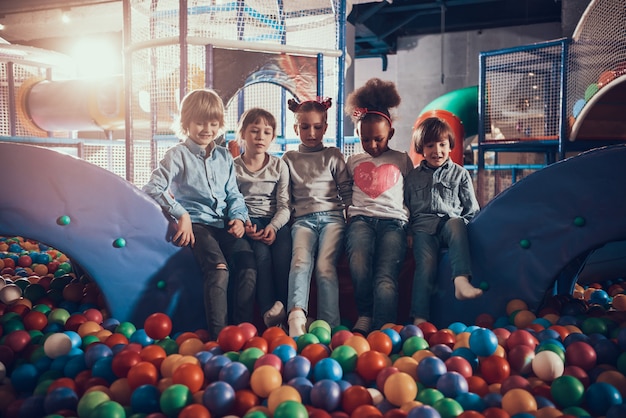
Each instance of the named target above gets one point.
<point>317,238</point>
<point>272,266</point>
<point>228,292</point>
<point>453,235</point>
<point>376,250</point>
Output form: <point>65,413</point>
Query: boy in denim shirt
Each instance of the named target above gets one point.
<point>441,201</point>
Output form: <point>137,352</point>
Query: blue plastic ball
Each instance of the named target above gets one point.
<point>429,370</point>
<point>24,378</point>
<point>452,384</point>
<point>410,330</point>
<point>285,352</point>
<point>326,394</point>
<point>396,339</point>
<point>303,386</point>
<point>236,374</point>
<point>60,398</point>
<point>424,411</point>
<point>219,398</point>
<point>145,399</point>
<point>140,337</point>
<point>214,365</point>
<point>327,368</point>
<point>298,366</point>
<point>600,396</point>
<point>96,352</point>
<point>483,342</point>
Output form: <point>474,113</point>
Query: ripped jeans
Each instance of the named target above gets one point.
<point>223,257</point>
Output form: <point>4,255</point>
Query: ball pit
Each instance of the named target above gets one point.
<point>63,355</point>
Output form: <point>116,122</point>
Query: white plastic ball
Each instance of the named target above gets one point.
<point>10,293</point>
<point>547,365</point>
<point>57,345</point>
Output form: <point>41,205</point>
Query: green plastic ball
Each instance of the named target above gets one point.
<point>429,396</point>
<point>579,221</point>
<point>525,244</point>
<point>170,346</point>
<point>306,339</point>
<point>249,356</point>
<point>346,356</point>
<point>108,409</point>
<point>63,220</point>
<point>290,409</point>
<point>322,334</point>
<point>89,401</point>
<point>448,408</point>
<point>414,344</point>
<point>119,243</point>
<point>174,399</point>
<point>567,391</point>
<point>126,328</point>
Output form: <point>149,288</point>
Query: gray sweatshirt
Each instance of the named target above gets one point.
<point>266,192</point>
<point>319,180</point>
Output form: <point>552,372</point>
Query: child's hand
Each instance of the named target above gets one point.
<point>269,235</point>
<point>184,232</point>
<point>236,228</point>
<point>252,232</point>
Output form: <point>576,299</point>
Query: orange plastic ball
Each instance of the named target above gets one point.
<point>190,375</point>
<point>315,352</point>
<point>142,373</point>
<point>282,394</point>
<point>195,410</point>
<point>190,347</point>
<point>515,305</point>
<point>370,363</point>
<point>154,354</point>
<point>264,380</point>
<point>517,401</point>
<point>359,343</point>
<point>381,342</point>
<point>400,388</point>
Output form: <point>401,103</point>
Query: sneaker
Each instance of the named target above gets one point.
<point>362,325</point>
<point>297,323</point>
<point>276,315</point>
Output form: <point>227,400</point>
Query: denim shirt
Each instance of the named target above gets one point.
<point>189,181</point>
<point>433,195</point>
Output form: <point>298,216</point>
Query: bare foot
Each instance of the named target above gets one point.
<point>463,289</point>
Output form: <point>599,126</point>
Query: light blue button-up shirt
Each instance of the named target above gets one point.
<point>434,194</point>
<point>189,181</point>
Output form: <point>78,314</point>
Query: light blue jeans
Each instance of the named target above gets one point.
<point>376,250</point>
<point>317,243</point>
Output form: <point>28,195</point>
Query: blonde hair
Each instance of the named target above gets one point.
<point>251,116</point>
<point>431,130</point>
<point>198,106</point>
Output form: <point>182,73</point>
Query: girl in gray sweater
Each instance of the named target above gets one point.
<point>320,192</point>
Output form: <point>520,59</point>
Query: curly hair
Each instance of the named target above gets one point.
<point>376,96</point>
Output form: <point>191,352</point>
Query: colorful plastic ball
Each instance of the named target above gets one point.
<point>339,338</point>
<point>424,411</point>
<point>460,365</point>
<point>355,396</point>
<point>346,356</point>
<point>236,374</point>
<point>24,377</point>
<point>521,337</point>
<point>264,380</point>
<point>270,360</point>
<point>547,365</point>
<point>60,398</point>
<point>219,398</point>
<point>174,398</point>
<point>213,366</point>
<point>517,401</point>
<point>413,344</point>
<point>249,357</point>
<point>231,338</point>
<point>483,342</point>
<point>327,368</point>
<point>567,391</point>
<point>142,373</point>
<point>358,342</point>
<point>400,388</point>
<point>370,363</point>
<point>285,352</point>
<point>600,396</point>
<point>607,351</point>
<point>190,375</point>
<point>90,401</point>
<point>10,293</point>
<point>290,409</point>
<point>282,394</point>
<point>303,386</point>
<point>315,352</point>
<point>326,394</point>
<point>429,370</point>
<point>452,384</point>
<point>520,359</point>
<point>296,367</point>
<point>494,369</point>
<point>145,399</point>
<point>195,410</point>
<point>448,407</point>
<point>322,334</point>
<point>17,340</point>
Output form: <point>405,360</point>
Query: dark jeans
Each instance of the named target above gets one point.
<point>376,249</point>
<point>224,298</point>
<point>272,266</point>
<point>453,234</point>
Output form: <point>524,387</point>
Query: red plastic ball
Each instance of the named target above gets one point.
<point>521,337</point>
<point>124,361</point>
<point>366,411</point>
<point>355,396</point>
<point>245,400</point>
<point>158,326</point>
<point>75,321</point>
<point>445,337</point>
<point>460,365</point>
<point>494,369</point>
<point>35,320</point>
<point>370,363</point>
<point>231,338</point>
<point>142,373</point>
<point>195,410</point>
<point>315,352</point>
<point>17,340</point>
<point>258,342</point>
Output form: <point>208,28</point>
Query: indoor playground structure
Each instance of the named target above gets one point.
<point>536,237</point>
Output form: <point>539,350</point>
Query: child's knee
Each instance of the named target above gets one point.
<point>221,266</point>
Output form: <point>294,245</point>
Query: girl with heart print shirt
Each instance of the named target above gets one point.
<point>377,219</point>
<point>320,192</point>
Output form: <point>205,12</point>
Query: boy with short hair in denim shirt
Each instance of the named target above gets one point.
<point>440,196</point>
